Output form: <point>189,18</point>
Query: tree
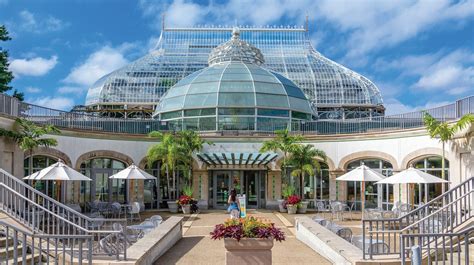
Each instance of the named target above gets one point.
<point>6,76</point>
<point>304,159</point>
<point>175,152</point>
<point>190,143</point>
<point>29,136</point>
<point>284,142</point>
<point>445,132</point>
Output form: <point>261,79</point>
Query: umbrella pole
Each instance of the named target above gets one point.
<point>420,200</point>
<point>362,195</point>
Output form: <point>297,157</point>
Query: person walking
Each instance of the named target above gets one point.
<point>233,208</point>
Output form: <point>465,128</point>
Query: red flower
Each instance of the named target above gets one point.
<point>184,200</point>
<point>293,199</point>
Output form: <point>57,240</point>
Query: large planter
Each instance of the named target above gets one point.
<point>186,208</point>
<point>292,208</point>
<point>248,251</point>
<point>303,207</point>
<point>173,206</point>
<point>281,205</point>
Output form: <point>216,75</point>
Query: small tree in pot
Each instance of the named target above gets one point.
<point>247,239</point>
<point>286,192</point>
<point>292,203</point>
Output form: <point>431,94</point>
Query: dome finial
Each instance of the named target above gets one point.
<point>235,33</point>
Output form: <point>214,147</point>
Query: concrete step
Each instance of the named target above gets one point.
<point>7,253</point>
<point>29,259</point>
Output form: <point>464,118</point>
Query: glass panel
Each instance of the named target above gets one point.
<point>236,111</point>
<point>236,99</point>
<point>240,87</point>
<point>299,104</point>
<point>119,190</point>
<point>273,112</point>
<point>236,76</point>
<point>101,186</point>
<point>433,162</point>
<point>267,100</point>
<point>300,115</point>
<point>236,123</point>
<point>222,188</point>
<point>208,87</point>
<point>207,124</point>
<point>294,92</point>
<point>199,112</point>
<point>201,100</point>
<point>173,103</point>
<point>177,91</point>
<point>270,88</point>
<point>171,115</point>
<point>251,188</point>
<point>271,124</point>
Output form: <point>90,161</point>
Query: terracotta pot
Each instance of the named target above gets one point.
<point>292,208</point>
<point>186,209</point>
<point>281,205</point>
<point>303,207</point>
<point>173,206</point>
<point>248,251</point>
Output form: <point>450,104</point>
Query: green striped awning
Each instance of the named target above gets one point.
<point>242,159</point>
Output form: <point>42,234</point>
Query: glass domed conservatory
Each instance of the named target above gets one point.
<point>334,91</point>
<point>234,93</point>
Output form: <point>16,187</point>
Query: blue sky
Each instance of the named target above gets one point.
<point>419,53</point>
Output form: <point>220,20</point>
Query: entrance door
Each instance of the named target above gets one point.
<point>100,185</point>
<point>221,188</point>
<point>251,180</point>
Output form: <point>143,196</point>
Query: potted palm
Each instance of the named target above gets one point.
<point>292,204</point>
<point>247,239</point>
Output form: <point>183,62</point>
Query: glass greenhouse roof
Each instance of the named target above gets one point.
<point>287,51</point>
<point>234,85</point>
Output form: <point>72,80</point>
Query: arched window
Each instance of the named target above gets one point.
<point>371,190</point>
<point>151,198</point>
<point>101,187</point>
<point>36,163</point>
<point>430,165</point>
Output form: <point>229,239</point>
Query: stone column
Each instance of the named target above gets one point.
<point>337,189</point>
<point>201,187</point>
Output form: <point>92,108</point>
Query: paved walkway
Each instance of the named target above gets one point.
<point>197,247</point>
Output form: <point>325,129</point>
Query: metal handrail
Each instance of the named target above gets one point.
<point>436,212</point>
<point>45,245</point>
<point>60,217</point>
<point>90,122</point>
<point>43,213</point>
<point>447,244</point>
<point>88,218</point>
<point>459,197</point>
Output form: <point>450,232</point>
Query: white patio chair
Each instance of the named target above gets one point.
<point>135,211</point>
<point>156,219</point>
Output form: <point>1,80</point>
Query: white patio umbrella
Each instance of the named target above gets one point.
<point>59,172</point>
<point>133,173</point>
<point>362,174</point>
<point>413,176</point>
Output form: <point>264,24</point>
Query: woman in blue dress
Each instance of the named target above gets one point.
<point>233,208</point>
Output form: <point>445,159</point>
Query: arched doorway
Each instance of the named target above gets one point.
<point>36,163</point>
<point>152,189</point>
<point>101,187</point>
<point>430,165</point>
<point>371,189</point>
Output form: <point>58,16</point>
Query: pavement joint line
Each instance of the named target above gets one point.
<point>189,222</point>
<point>283,219</point>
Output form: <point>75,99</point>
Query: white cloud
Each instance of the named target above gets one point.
<point>37,66</point>
<point>98,64</point>
<point>33,90</point>
<point>451,73</point>
<point>72,90</point>
<point>373,25</point>
<point>62,103</point>
<point>31,23</point>
<point>394,106</point>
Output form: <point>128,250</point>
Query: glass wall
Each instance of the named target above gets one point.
<point>322,183</point>
<point>102,188</point>
<point>371,189</point>
<point>431,165</point>
<point>36,163</point>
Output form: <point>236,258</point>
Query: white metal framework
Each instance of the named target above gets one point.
<point>333,90</point>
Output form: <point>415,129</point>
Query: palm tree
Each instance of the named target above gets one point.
<point>168,152</point>
<point>305,160</point>
<point>445,132</point>
<point>284,142</point>
<point>29,136</point>
<point>190,143</point>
